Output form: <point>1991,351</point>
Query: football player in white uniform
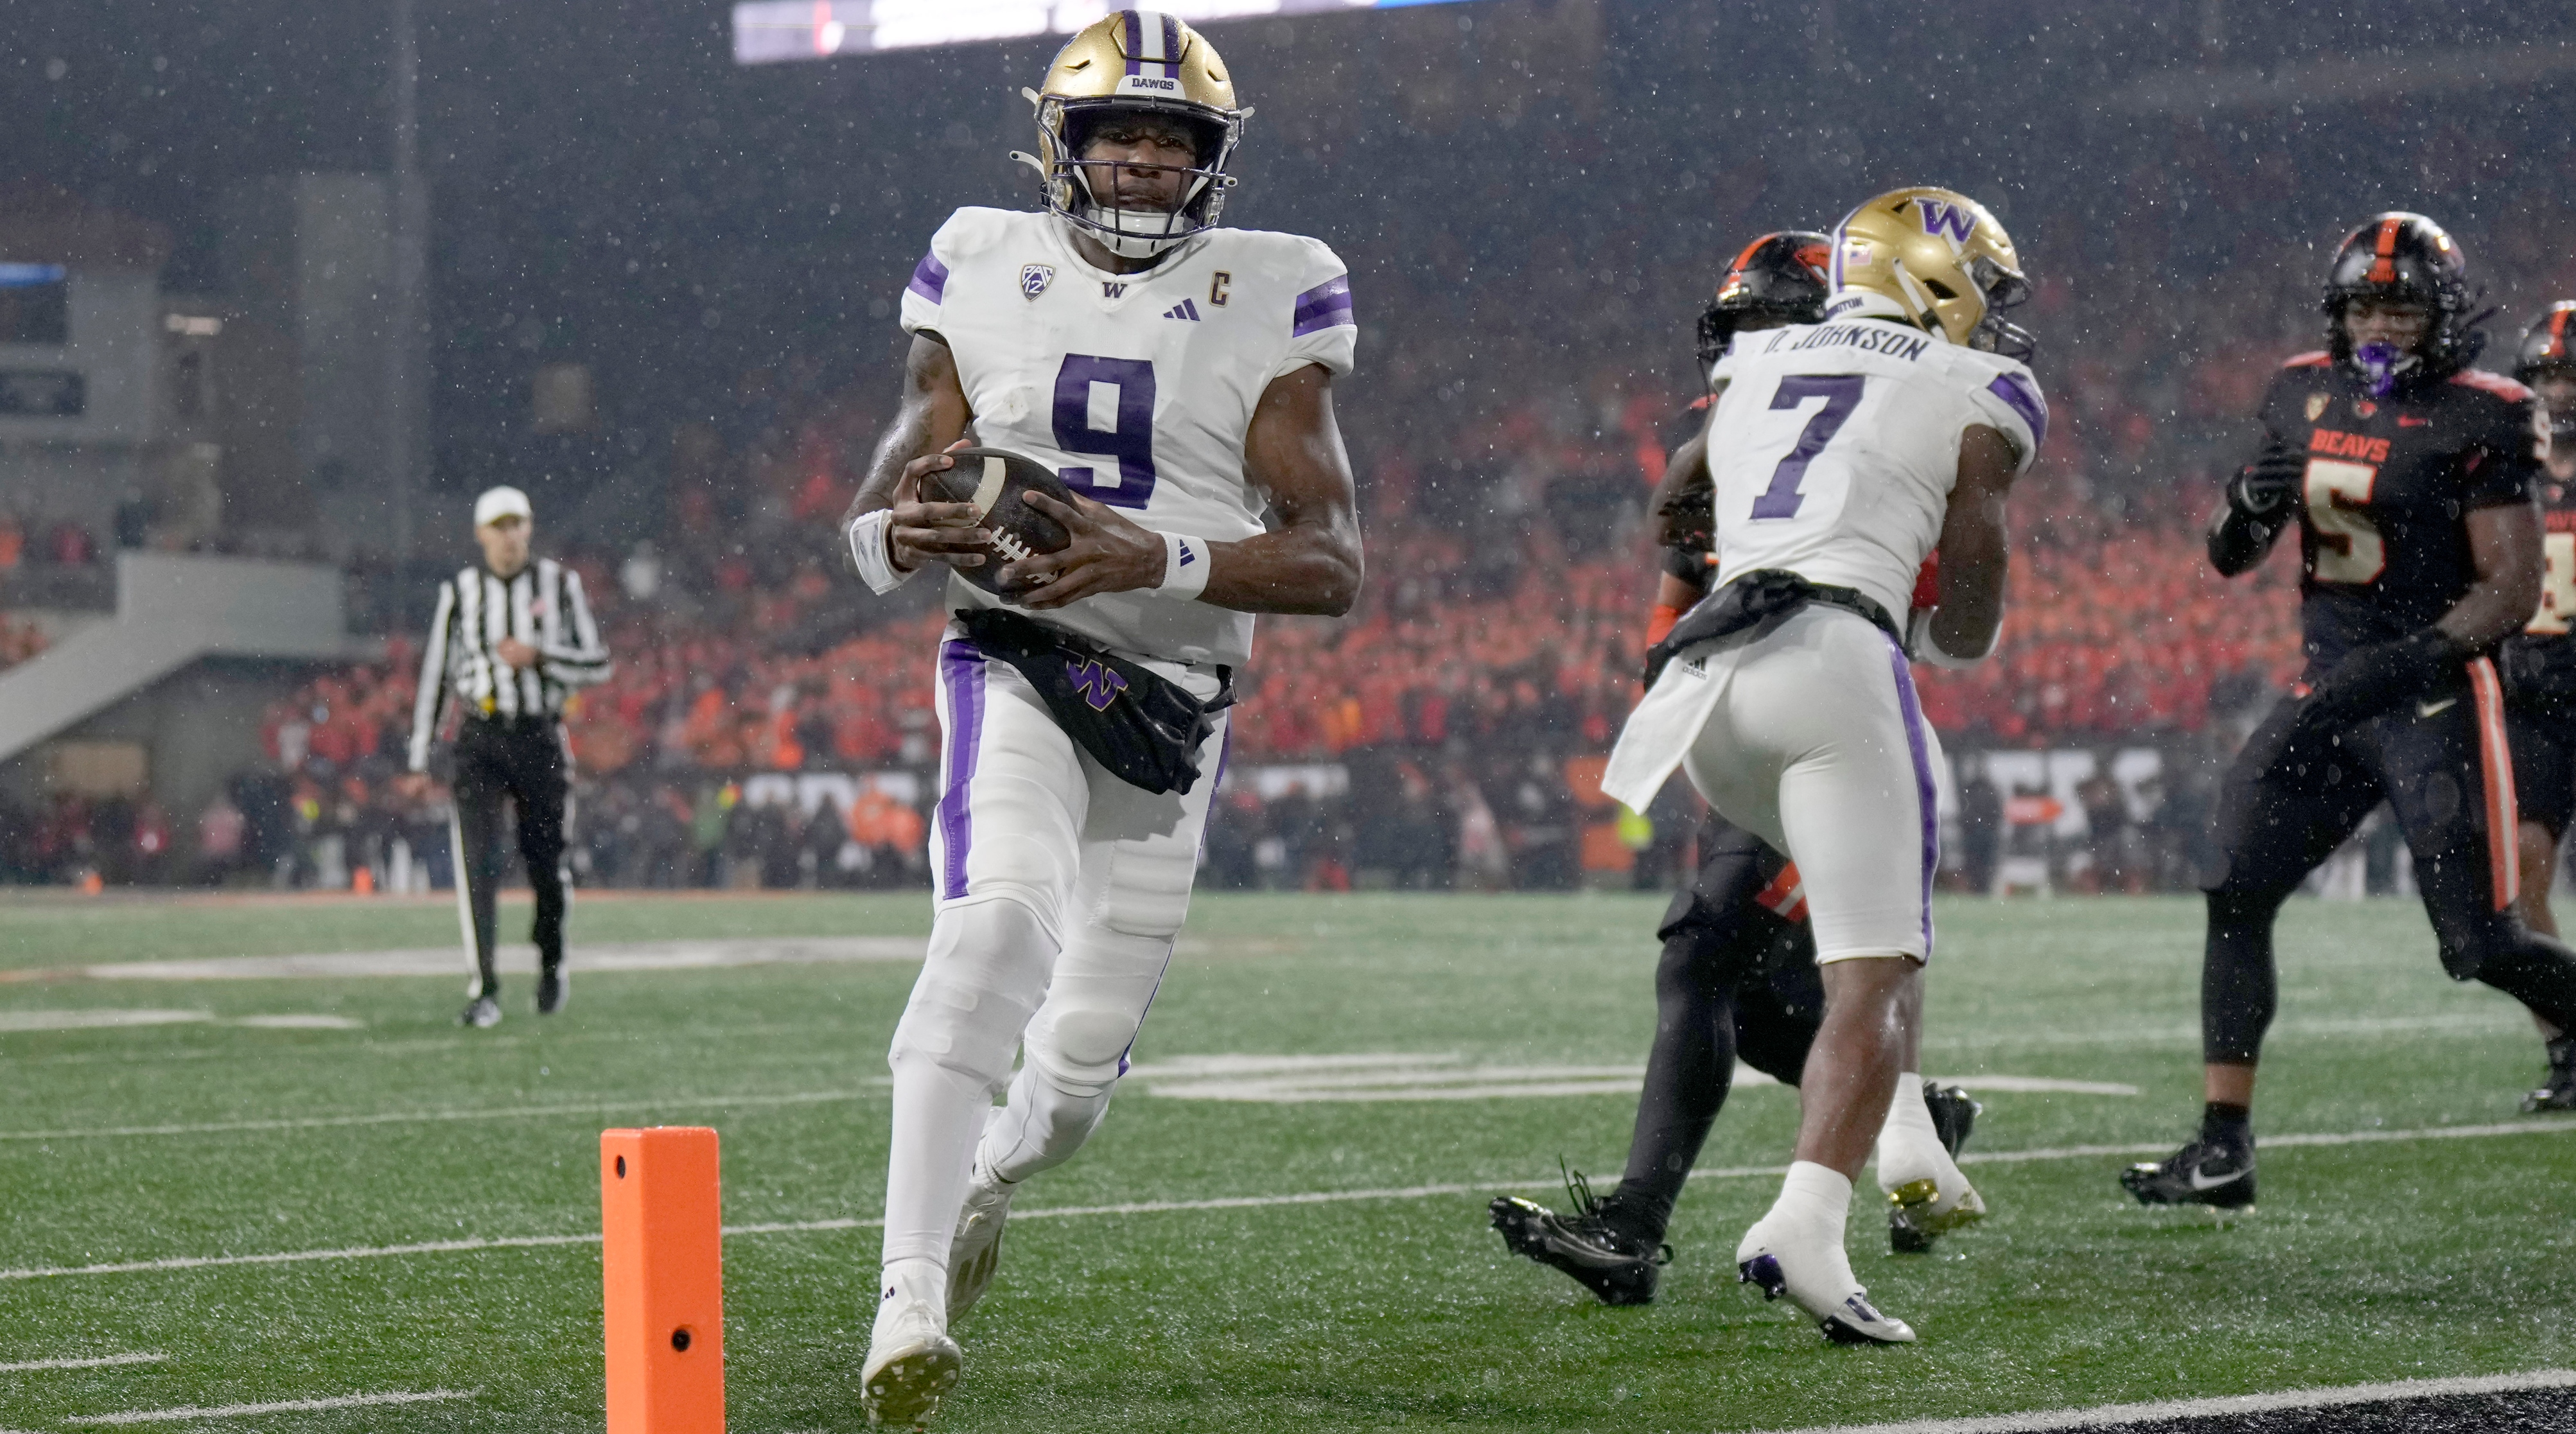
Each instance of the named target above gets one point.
<point>1178,378</point>
<point>1842,455</point>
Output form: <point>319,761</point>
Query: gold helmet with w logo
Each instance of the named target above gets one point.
<point>1125,63</point>
<point>1942,260</point>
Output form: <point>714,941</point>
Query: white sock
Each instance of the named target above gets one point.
<point>1814,1197</point>
<point>906,1282</point>
<point>1909,1146</point>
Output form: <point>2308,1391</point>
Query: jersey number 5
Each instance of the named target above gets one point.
<point>1841,393</point>
<point>1106,406</point>
<point>2349,549</point>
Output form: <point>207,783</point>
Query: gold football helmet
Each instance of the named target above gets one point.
<point>1942,259</point>
<point>1126,62</point>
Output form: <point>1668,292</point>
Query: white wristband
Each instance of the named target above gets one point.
<point>1186,562</point>
<point>868,550</point>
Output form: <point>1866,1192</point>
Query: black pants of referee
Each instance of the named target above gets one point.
<point>522,762</point>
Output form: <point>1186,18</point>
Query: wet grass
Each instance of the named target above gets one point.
<point>2366,1262</point>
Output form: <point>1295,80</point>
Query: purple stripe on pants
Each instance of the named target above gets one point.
<point>961,667</point>
<point>1925,789</point>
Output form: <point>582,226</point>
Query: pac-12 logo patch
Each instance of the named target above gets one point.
<point>2317,406</point>
<point>1034,279</point>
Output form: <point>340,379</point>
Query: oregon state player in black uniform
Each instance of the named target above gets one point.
<point>1737,979</point>
<point>2410,478</point>
<point>2539,665</point>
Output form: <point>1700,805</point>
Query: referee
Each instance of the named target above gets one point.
<point>511,638</point>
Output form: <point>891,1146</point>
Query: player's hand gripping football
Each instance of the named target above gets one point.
<point>1108,554</point>
<point>932,532</point>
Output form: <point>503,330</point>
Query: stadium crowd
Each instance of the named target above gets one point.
<point>1507,436</point>
<point>1462,696</point>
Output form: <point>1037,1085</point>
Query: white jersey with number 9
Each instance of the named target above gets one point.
<point>1835,445</point>
<point>1136,389</point>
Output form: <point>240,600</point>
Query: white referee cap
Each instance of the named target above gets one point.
<point>502,502</point>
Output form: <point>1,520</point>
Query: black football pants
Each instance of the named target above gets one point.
<point>523,763</point>
<point>1737,980</point>
<point>2299,789</point>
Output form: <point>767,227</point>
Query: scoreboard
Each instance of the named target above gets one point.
<point>769,31</point>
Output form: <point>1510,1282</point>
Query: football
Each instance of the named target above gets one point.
<point>998,484</point>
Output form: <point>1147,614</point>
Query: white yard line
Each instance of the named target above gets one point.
<point>2190,1035</point>
<point>1413,1082</point>
<point>95,1019</point>
<point>2112,1416</point>
<point>2274,1142</point>
<point>282,1406</point>
<point>1233,1202</point>
<point>520,959</point>
<point>298,1257</point>
<point>100,1361</point>
<point>407,1117</point>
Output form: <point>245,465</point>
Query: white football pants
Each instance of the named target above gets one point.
<point>1815,743</point>
<point>1059,889</point>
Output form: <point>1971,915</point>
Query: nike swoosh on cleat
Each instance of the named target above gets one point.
<point>2427,709</point>
<point>2207,1182</point>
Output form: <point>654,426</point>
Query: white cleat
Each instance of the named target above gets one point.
<point>975,1251</point>
<point>1920,1210</point>
<point>912,1364</point>
<point>1927,1196</point>
<point>1815,1275</point>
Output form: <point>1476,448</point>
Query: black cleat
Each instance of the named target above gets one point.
<point>482,1013</point>
<point>554,987</point>
<point>1617,1267</point>
<point>2558,1091</point>
<point>1954,1114</point>
<point>2201,1173</point>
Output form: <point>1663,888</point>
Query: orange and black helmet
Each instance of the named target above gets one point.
<point>1780,277</point>
<point>2405,258</point>
<point>2549,347</point>
<point>2550,342</point>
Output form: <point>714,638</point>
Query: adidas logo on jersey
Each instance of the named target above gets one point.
<point>1185,309</point>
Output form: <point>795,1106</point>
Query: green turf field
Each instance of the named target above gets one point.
<point>198,1136</point>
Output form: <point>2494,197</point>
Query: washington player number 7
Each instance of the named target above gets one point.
<point>1841,393</point>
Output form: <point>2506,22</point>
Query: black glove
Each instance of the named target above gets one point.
<point>2264,487</point>
<point>1684,520</point>
<point>2372,680</point>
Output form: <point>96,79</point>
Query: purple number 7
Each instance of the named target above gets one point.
<point>1841,393</point>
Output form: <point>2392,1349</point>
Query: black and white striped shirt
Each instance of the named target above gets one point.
<point>543,607</point>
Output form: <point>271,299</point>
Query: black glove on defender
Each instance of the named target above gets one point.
<point>2262,488</point>
<point>2260,499</point>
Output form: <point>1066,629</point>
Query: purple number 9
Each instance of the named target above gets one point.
<point>1129,437</point>
<point>1841,393</point>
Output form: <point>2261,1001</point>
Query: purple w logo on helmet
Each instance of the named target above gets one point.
<point>1098,685</point>
<point>1942,217</point>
